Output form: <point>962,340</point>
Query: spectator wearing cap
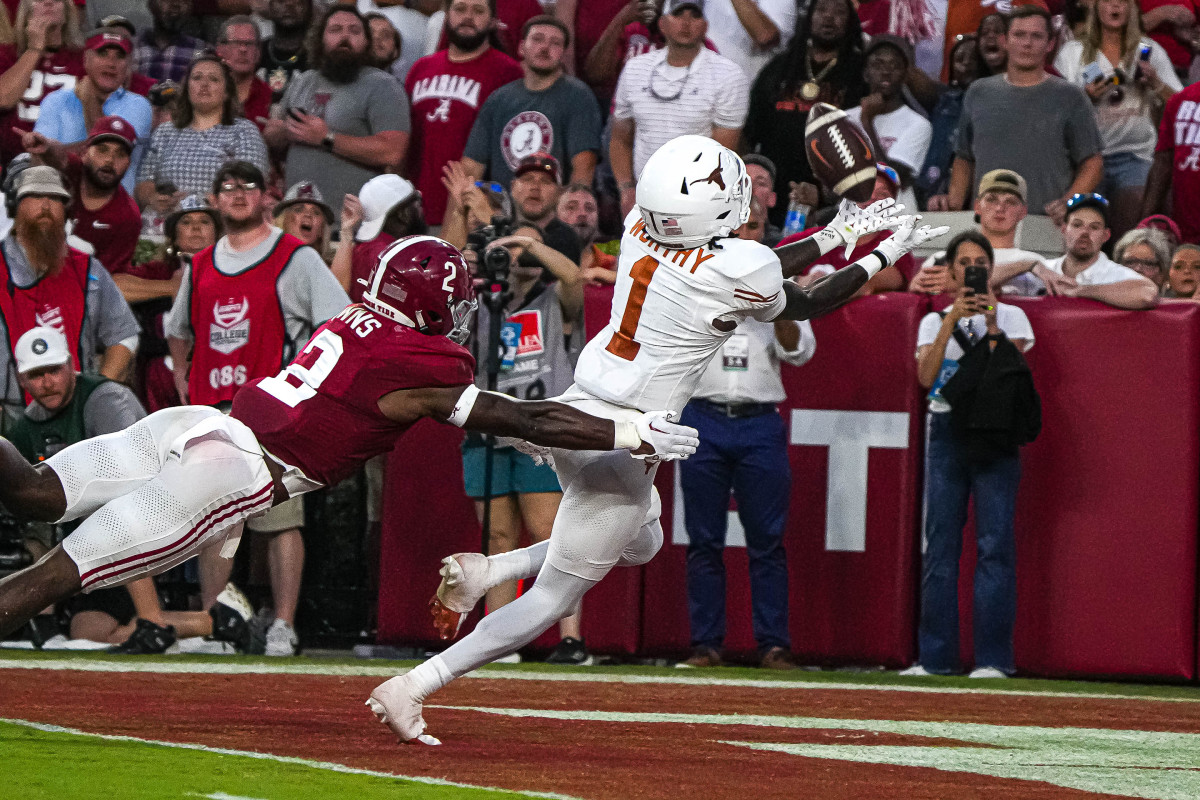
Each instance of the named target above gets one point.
<point>238,45</point>
<point>1168,226</point>
<point>44,54</point>
<point>1085,271</point>
<point>1002,113</point>
<point>103,213</point>
<point>999,209</point>
<point>1174,179</point>
<point>164,52</point>
<point>683,88</point>
<point>136,82</point>
<point>303,213</point>
<point>976,331</point>
<point>891,279</point>
<point>537,183</point>
<point>345,121</point>
<point>244,309</point>
<point>204,133</point>
<point>388,208</point>
<point>71,114</point>
<point>762,174</point>
<point>150,288</point>
<point>900,135</point>
<point>1148,253</point>
<point>52,284</point>
<point>1128,77</point>
<point>547,111</point>
<point>743,451</point>
<point>447,90</point>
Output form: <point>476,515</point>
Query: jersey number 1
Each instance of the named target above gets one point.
<point>622,344</point>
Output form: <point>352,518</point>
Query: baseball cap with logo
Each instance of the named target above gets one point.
<point>675,6</point>
<point>378,197</point>
<point>305,192</point>
<point>109,37</point>
<point>1003,180</point>
<point>41,347</point>
<point>539,162</point>
<point>112,128</point>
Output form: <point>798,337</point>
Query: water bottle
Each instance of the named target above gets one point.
<point>797,217</point>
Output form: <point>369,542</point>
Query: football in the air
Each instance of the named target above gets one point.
<point>839,153</point>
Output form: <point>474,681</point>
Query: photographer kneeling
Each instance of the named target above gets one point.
<point>982,408</point>
<point>545,296</point>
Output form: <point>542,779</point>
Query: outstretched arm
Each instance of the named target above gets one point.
<point>835,289</point>
<point>850,223</point>
<point>541,422</point>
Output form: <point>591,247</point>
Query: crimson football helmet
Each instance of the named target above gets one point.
<point>423,282</point>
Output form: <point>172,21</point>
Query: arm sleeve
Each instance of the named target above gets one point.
<point>310,292</point>
<point>1162,65</point>
<point>479,141</point>
<point>114,318</point>
<point>584,131</point>
<point>759,292</point>
<point>111,407</point>
<point>733,99</point>
<point>49,116</point>
<point>927,332</point>
<point>387,109</point>
<point>178,321</point>
<point>1067,62</point>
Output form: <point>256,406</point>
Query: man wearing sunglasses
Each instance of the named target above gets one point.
<point>1085,271</point>
<point>244,308</point>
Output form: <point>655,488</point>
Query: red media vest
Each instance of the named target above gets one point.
<point>58,301</point>
<point>238,324</point>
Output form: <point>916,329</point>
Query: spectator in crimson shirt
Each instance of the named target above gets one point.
<point>892,279</point>
<point>47,56</point>
<point>388,208</point>
<point>238,45</point>
<point>1172,23</point>
<point>1176,166</point>
<point>445,92</point>
<point>104,214</point>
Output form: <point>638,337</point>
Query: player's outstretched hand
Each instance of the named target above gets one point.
<point>852,222</point>
<point>663,439</point>
<point>909,237</point>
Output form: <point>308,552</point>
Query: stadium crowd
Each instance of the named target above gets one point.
<point>155,161</point>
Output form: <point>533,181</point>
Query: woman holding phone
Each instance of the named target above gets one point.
<point>1129,77</point>
<point>953,476</point>
<point>205,132</point>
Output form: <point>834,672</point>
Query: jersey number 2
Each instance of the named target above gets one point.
<point>622,344</point>
<point>300,379</point>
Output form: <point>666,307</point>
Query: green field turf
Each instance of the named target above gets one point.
<point>56,765</point>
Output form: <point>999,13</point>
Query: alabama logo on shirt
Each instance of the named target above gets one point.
<point>230,330</point>
<point>531,342</point>
<point>525,134</point>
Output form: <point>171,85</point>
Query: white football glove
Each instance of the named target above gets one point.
<point>852,222</point>
<point>671,441</point>
<point>908,237</point>
<point>539,454</point>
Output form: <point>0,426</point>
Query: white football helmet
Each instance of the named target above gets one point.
<point>693,190</point>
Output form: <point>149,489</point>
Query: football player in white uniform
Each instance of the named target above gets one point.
<point>683,286</point>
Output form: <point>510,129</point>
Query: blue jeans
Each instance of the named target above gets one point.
<point>950,482</point>
<point>749,457</point>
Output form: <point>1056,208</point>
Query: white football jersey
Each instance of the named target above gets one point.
<point>660,334</point>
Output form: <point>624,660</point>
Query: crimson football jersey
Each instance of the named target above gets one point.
<point>321,414</point>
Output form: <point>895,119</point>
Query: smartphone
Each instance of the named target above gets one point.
<point>976,279</point>
<point>1144,53</point>
<point>1092,73</point>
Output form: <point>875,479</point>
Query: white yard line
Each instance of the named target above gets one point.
<point>582,676</point>
<point>304,762</point>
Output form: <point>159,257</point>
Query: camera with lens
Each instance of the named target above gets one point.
<point>492,265</point>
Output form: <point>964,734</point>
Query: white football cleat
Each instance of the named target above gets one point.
<point>395,705</point>
<point>464,582</point>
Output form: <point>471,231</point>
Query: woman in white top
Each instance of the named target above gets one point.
<point>1129,77</point>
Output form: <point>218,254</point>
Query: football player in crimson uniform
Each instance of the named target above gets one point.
<point>683,285</point>
<point>183,479</point>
